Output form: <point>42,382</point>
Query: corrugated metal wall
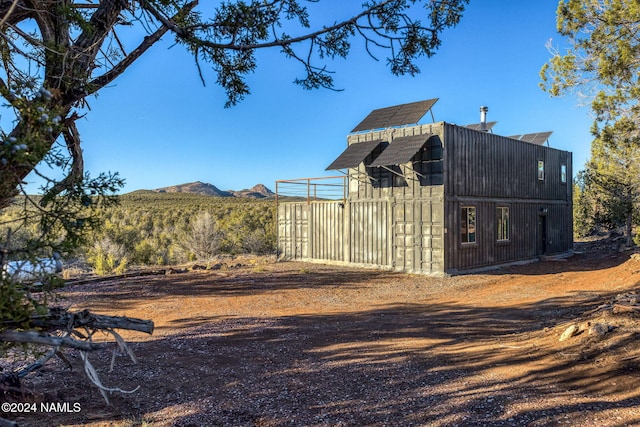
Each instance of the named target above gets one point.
<point>488,171</point>
<point>418,244</point>
<point>403,234</point>
<point>327,226</point>
<point>369,222</point>
<point>313,230</point>
<point>361,187</point>
<point>524,233</point>
<point>481,164</point>
<point>293,231</point>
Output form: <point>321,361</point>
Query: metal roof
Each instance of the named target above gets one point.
<point>354,155</point>
<point>401,150</point>
<point>538,138</point>
<point>398,115</point>
<point>478,126</point>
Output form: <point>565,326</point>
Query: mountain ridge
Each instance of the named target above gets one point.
<point>258,191</point>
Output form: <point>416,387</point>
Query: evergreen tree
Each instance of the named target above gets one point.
<point>603,64</point>
<point>612,176</point>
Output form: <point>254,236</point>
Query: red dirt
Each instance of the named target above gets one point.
<point>271,344</point>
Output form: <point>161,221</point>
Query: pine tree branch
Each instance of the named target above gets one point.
<point>150,40</point>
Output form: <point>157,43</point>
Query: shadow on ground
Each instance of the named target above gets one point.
<point>406,364</point>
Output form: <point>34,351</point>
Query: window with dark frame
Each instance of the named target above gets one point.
<point>503,223</point>
<point>540,170</point>
<point>468,224</point>
<point>429,163</point>
<point>563,174</point>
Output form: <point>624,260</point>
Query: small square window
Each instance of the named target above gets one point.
<point>503,223</point>
<point>468,224</point>
<point>540,170</point>
<point>563,174</point>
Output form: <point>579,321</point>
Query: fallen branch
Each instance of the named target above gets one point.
<point>60,319</point>
<point>77,329</point>
<point>599,308</point>
<point>92,374</point>
<point>32,337</point>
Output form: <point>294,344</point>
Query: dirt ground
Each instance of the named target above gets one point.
<point>290,344</point>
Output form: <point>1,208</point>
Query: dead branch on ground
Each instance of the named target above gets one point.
<point>60,328</point>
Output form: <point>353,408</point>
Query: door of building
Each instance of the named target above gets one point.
<point>542,235</point>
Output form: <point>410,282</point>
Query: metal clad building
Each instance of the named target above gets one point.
<point>435,198</point>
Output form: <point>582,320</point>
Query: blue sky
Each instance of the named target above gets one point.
<point>157,125</point>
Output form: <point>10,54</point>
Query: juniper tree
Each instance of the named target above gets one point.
<point>602,65</point>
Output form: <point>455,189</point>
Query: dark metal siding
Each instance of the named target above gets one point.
<point>487,171</point>
<point>482,164</point>
<point>524,233</point>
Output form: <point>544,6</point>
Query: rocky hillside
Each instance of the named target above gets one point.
<point>259,191</point>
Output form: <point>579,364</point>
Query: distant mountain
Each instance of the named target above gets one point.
<point>256,192</point>
<point>195,188</point>
<point>259,191</point>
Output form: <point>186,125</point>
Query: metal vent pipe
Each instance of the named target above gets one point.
<point>483,118</point>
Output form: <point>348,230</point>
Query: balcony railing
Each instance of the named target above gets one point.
<point>312,189</point>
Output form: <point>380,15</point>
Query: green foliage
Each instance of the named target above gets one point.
<point>584,223</point>
<point>602,60</point>
<point>608,193</point>
<point>149,228</point>
<point>16,305</point>
<point>602,64</point>
<point>237,29</point>
<point>105,263</point>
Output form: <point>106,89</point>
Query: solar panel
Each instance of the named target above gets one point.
<point>478,126</point>
<point>538,138</point>
<point>354,155</point>
<point>514,136</point>
<point>401,150</point>
<point>398,115</point>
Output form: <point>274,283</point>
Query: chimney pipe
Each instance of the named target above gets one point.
<point>483,118</point>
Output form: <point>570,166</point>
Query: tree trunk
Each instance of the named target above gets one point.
<point>628,229</point>
<point>12,175</point>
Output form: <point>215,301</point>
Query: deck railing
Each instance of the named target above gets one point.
<point>312,189</point>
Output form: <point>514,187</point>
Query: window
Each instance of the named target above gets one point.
<point>540,170</point>
<point>468,224</point>
<point>429,163</point>
<point>563,174</point>
<point>503,223</point>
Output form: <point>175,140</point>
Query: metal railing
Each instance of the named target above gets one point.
<point>312,189</point>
